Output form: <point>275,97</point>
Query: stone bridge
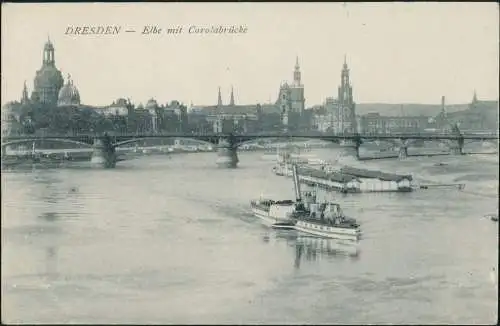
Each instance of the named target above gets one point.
<point>104,146</point>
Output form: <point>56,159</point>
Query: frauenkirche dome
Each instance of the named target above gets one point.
<point>48,80</point>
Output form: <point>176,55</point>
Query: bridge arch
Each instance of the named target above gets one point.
<point>136,140</point>
<point>269,140</point>
<point>385,142</point>
<point>489,142</point>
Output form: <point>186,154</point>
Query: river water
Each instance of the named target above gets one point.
<point>171,240</point>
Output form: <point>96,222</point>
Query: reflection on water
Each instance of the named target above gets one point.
<point>51,262</point>
<point>310,248</point>
<point>49,216</point>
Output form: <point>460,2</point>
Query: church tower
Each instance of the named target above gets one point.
<point>347,114</point>
<point>296,73</point>
<point>48,80</point>
<point>24,98</point>
<point>297,100</point>
<point>219,99</point>
<point>473,104</point>
<point>231,100</point>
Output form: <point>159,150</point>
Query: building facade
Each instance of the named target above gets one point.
<point>326,116</point>
<point>227,118</point>
<point>479,116</point>
<point>374,123</point>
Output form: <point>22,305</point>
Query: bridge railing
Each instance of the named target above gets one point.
<point>281,134</point>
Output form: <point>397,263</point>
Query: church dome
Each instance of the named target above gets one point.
<point>48,77</point>
<point>152,104</point>
<point>68,95</point>
<point>48,80</point>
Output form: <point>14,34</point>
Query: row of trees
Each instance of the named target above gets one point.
<point>77,120</point>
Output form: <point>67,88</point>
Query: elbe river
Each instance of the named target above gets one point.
<point>171,240</point>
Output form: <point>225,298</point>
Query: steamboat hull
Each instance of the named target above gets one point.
<point>328,231</point>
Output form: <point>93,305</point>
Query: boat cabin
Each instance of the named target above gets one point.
<point>269,202</point>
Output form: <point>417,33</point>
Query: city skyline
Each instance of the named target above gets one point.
<point>463,55</point>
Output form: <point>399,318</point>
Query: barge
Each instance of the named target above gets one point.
<point>329,180</point>
<point>348,179</point>
<point>377,181</point>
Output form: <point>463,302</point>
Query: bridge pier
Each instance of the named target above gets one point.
<point>457,147</point>
<point>103,154</point>
<point>403,149</point>
<point>227,155</point>
<point>350,148</point>
<point>403,152</point>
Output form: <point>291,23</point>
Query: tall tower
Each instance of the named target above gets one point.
<point>297,99</point>
<point>296,73</point>
<point>473,104</point>
<point>219,100</point>
<point>24,97</point>
<point>231,100</point>
<point>347,114</point>
<point>48,80</point>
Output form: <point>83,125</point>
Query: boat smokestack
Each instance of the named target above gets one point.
<point>296,184</point>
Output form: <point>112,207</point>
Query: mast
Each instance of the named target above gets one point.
<point>296,184</point>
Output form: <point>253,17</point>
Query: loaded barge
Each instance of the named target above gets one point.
<point>377,181</point>
<point>349,179</point>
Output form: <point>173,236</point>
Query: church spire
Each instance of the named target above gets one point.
<point>474,98</point>
<point>219,100</point>
<point>231,101</point>
<point>296,72</point>
<point>345,102</point>
<point>345,73</point>
<point>24,98</point>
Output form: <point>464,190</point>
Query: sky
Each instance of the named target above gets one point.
<point>396,52</point>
